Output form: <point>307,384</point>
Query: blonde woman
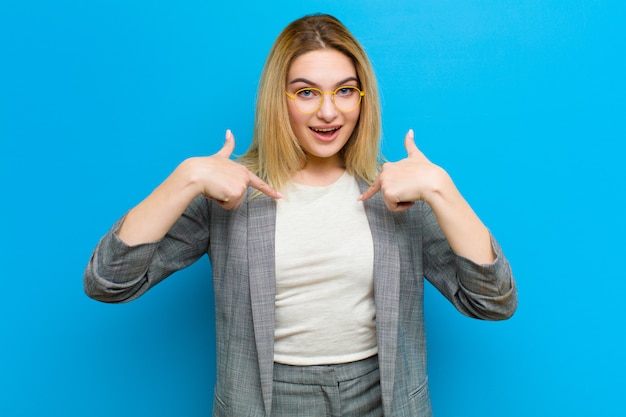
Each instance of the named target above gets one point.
<point>318,250</point>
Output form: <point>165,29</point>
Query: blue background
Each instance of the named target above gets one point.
<point>523,102</point>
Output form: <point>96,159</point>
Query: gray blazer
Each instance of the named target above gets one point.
<point>408,246</point>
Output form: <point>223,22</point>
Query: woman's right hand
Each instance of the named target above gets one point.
<point>221,179</point>
<point>217,177</point>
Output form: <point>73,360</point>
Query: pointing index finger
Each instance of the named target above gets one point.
<point>373,189</point>
<point>262,186</point>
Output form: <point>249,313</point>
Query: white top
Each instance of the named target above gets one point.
<point>325,311</point>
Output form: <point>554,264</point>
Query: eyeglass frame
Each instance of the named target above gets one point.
<point>322,93</point>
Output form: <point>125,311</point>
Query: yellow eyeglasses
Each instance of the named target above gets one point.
<point>309,100</point>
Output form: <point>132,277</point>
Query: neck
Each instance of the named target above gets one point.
<point>319,173</point>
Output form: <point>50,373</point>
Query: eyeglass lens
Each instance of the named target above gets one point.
<point>309,100</point>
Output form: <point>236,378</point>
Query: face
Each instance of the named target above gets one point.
<point>322,134</point>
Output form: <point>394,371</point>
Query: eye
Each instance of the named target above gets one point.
<point>346,91</point>
<point>308,93</point>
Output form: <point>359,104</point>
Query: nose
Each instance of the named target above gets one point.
<point>327,111</point>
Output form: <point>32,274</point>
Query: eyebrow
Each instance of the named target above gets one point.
<point>304,80</point>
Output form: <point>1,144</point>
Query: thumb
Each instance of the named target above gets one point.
<point>409,144</point>
<point>229,145</point>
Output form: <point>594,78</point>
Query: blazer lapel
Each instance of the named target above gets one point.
<point>386,290</point>
<point>262,276</point>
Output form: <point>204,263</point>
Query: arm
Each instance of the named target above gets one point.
<point>217,177</point>
<point>415,178</point>
<point>484,291</point>
<point>461,258</point>
<point>169,229</point>
<point>118,272</point>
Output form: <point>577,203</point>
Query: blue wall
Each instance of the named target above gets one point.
<point>523,102</point>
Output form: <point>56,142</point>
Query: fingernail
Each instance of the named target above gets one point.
<point>228,133</point>
<point>411,134</point>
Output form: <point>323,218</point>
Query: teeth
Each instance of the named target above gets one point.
<point>325,130</point>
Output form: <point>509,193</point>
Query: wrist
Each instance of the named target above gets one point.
<point>188,180</point>
<point>440,189</point>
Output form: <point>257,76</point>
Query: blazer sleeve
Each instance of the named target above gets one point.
<point>483,291</point>
<point>117,272</point>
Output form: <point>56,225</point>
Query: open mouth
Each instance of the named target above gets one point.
<point>325,132</point>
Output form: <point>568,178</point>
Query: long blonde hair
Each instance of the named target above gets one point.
<point>275,154</point>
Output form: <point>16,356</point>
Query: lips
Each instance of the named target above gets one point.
<point>325,134</point>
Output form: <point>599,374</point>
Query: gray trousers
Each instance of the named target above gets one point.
<point>343,390</point>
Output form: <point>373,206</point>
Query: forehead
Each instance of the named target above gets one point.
<point>322,66</point>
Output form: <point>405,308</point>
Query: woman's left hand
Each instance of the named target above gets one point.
<point>415,178</point>
<point>408,180</point>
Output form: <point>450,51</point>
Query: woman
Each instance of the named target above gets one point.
<point>318,251</point>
